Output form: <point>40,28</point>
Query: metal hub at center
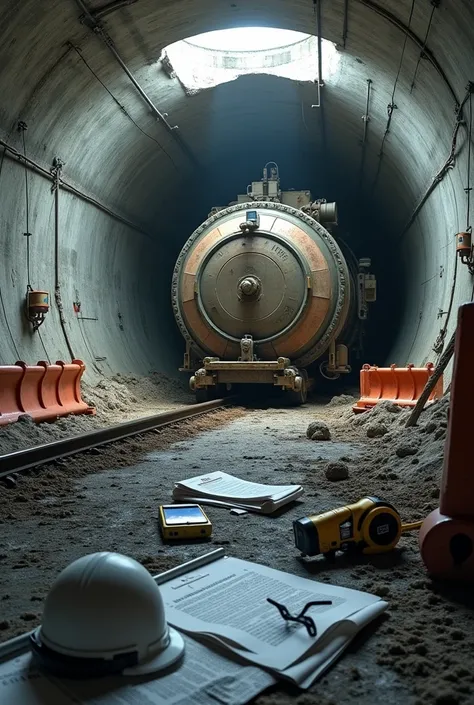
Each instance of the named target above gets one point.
<point>252,286</point>
<point>249,286</point>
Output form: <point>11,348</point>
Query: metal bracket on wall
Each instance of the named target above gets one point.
<point>363,142</point>
<point>366,116</point>
<point>318,102</point>
<point>317,10</point>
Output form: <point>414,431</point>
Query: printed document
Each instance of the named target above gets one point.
<point>226,603</point>
<point>224,489</point>
<point>203,677</point>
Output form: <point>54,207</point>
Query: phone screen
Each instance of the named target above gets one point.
<point>183,515</point>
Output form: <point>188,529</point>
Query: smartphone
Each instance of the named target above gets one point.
<point>184,521</point>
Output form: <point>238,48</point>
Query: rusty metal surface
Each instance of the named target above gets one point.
<point>235,365</point>
<point>300,299</point>
<point>40,455</point>
<point>245,376</point>
<point>275,294</point>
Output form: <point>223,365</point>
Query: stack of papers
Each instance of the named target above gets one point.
<point>203,677</point>
<point>224,604</point>
<point>221,489</point>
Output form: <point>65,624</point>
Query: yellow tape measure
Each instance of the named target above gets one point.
<point>371,525</point>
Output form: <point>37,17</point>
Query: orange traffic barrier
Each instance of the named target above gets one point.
<point>69,387</point>
<point>48,392</point>
<point>29,391</point>
<point>10,378</point>
<point>42,391</point>
<point>401,385</point>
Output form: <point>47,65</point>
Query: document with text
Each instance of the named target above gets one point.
<point>203,677</point>
<point>220,488</point>
<point>225,603</point>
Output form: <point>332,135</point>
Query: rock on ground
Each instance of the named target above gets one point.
<point>318,431</point>
<point>337,471</point>
<point>376,430</point>
<point>405,449</point>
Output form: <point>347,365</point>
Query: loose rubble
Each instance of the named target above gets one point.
<point>405,449</point>
<point>341,400</point>
<point>318,431</point>
<point>376,430</point>
<point>337,471</point>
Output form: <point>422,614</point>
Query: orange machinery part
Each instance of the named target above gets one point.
<point>447,534</point>
<point>42,391</point>
<point>463,243</point>
<point>402,385</point>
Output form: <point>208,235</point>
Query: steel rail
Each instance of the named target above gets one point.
<point>21,460</point>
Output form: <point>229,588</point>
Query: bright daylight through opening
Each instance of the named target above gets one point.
<point>209,59</point>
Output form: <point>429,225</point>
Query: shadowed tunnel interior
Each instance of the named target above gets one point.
<point>133,190</point>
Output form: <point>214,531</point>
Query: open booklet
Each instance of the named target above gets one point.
<point>225,604</point>
<point>222,489</point>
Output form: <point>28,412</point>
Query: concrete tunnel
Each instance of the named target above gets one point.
<point>108,163</point>
<point>395,159</point>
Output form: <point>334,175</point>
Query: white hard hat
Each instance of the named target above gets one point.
<point>105,614</point>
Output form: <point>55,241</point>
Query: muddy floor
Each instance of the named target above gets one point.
<point>420,653</point>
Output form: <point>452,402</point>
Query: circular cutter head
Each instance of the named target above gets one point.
<point>286,284</point>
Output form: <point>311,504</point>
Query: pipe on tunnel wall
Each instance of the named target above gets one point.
<point>70,114</point>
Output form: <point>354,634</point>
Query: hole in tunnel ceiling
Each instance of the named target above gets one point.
<point>206,60</point>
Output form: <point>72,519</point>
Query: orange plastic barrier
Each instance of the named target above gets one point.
<point>10,378</point>
<point>69,387</point>
<point>42,391</point>
<point>402,385</point>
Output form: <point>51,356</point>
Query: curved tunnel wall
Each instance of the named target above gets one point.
<point>116,151</point>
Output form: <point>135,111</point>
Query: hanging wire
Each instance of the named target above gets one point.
<point>22,126</point>
<point>435,4</point>
<point>468,187</point>
<point>2,302</point>
<point>119,104</point>
<point>439,343</point>
<point>392,106</point>
<point>447,166</point>
<point>44,346</point>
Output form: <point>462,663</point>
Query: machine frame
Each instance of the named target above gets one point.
<point>211,376</point>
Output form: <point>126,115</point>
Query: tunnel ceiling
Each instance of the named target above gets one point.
<point>63,81</point>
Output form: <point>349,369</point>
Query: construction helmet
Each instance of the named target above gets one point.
<point>104,614</point>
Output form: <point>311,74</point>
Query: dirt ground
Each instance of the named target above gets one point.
<point>420,653</point>
<point>115,399</point>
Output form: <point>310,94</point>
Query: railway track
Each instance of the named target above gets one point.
<point>21,460</point>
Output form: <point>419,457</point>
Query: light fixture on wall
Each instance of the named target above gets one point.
<point>464,249</point>
<point>37,306</point>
